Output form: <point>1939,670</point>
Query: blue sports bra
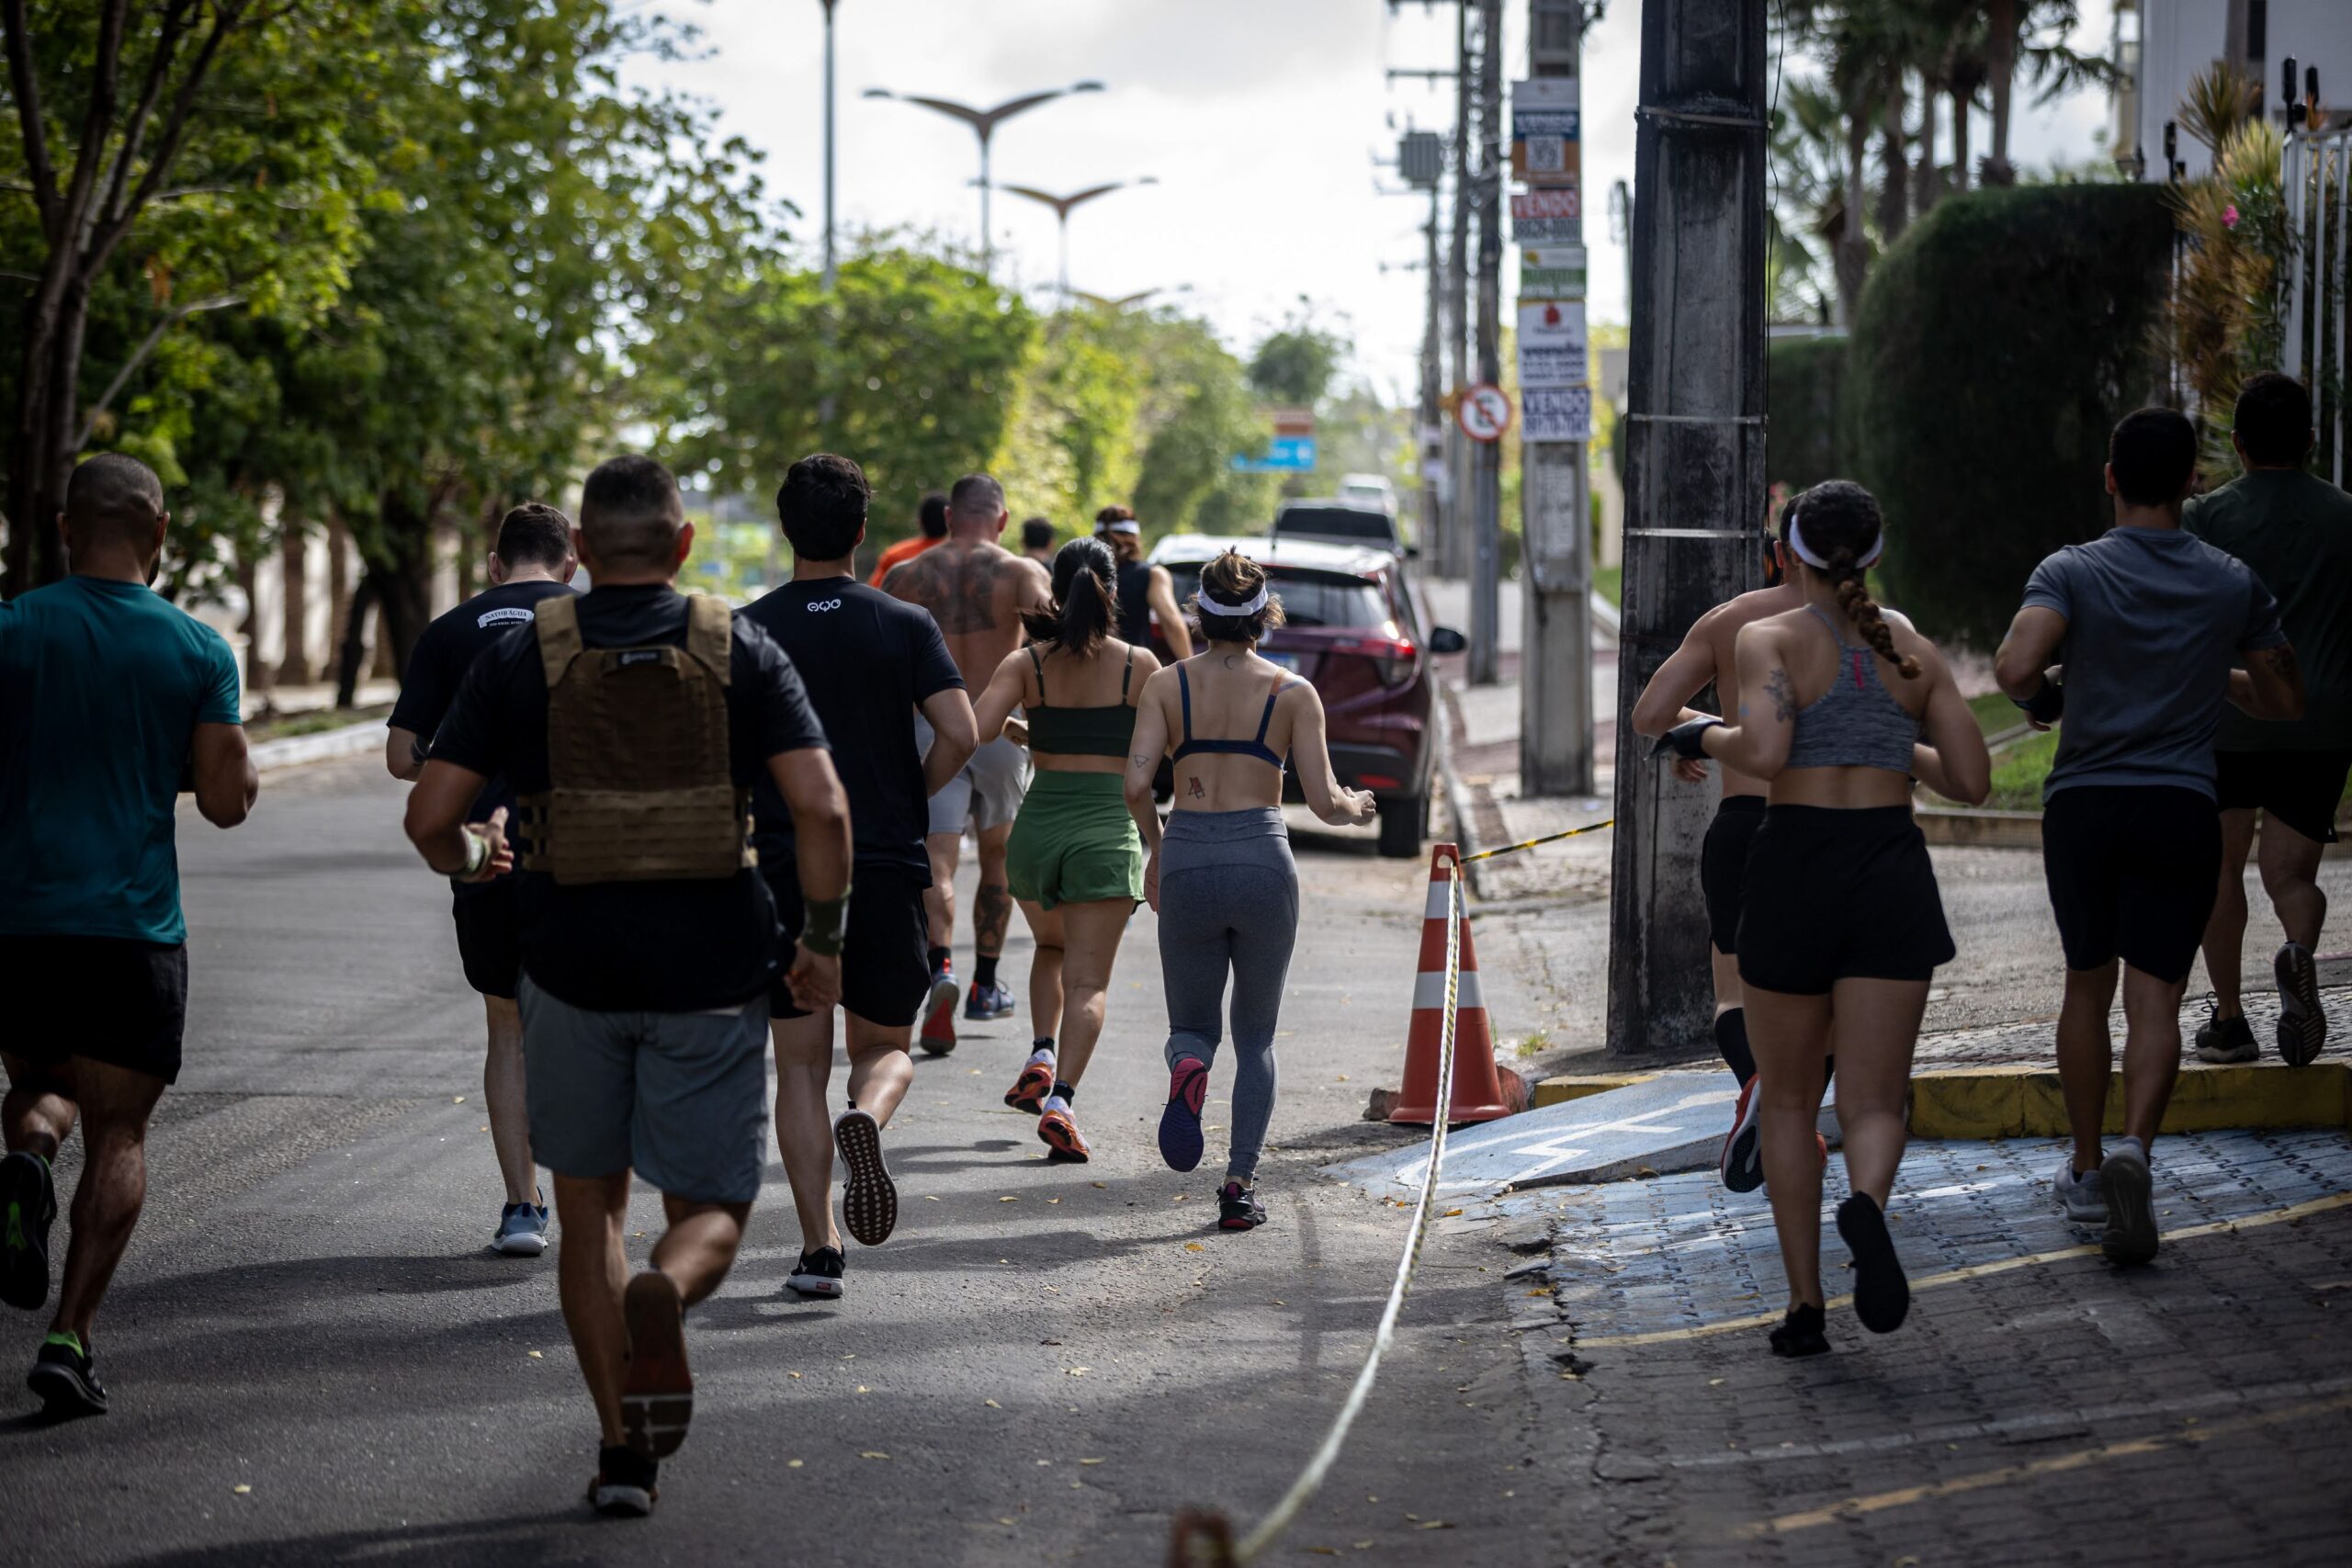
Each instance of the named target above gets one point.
<point>1254,747</point>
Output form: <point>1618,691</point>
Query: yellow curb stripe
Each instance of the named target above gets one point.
<point>1903,1498</point>
<point>1974,1271</point>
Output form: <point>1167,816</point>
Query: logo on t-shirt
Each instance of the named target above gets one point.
<point>512,617</point>
<point>816,604</point>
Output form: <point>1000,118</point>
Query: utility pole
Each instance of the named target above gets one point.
<point>1556,576</point>
<point>1695,477</point>
<point>828,146</point>
<point>1486,541</point>
<point>1453,554</point>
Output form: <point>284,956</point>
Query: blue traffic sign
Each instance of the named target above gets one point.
<point>1283,454</point>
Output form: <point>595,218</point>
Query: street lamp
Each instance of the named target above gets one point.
<point>1128,301</point>
<point>829,143</point>
<point>1064,206</point>
<point>984,123</point>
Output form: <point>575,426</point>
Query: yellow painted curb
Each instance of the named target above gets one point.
<point>1559,1091</point>
<point>2026,1102</point>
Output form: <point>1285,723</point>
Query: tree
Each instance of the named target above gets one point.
<point>2014,31</point>
<point>1294,364</point>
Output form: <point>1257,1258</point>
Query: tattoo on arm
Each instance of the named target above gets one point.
<point>2283,663</point>
<point>1784,702</point>
<point>1140,759</point>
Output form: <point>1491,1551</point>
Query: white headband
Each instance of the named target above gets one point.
<point>1249,607</point>
<point>1124,525</point>
<point>1806,554</point>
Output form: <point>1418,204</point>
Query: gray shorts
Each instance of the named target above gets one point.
<point>680,1097</point>
<point>987,793</point>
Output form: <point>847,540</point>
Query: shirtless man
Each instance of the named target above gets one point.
<point>977,592</point>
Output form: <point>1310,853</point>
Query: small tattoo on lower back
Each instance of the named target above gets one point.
<point>1194,790</point>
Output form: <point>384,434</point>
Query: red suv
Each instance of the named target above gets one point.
<point>1352,629</point>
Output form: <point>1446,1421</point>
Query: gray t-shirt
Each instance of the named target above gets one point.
<point>2155,619</point>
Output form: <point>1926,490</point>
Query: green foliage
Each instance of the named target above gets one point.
<point>2227,316</point>
<point>1995,348</point>
<point>1071,448</point>
<point>1804,391</point>
<point>1294,364</point>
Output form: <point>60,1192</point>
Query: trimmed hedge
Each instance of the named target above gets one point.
<point>1994,349</point>
<point>1804,395</point>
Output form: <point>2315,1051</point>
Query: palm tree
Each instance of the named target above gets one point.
<point>2014,27</point>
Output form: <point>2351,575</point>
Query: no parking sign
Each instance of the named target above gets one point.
<point>1485,412</point>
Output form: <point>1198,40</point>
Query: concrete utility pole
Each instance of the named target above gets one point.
<point>1454,553</point>
<point>1485,542</point>
<point>1556,576</point>
<point>1430,449</point>
<point>1695,477</point>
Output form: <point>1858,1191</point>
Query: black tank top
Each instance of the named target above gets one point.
<point>1135,603</point>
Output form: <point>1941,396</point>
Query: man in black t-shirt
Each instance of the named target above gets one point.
<point>532,561</point>
<point>870,662</point>
<point>649,941</point>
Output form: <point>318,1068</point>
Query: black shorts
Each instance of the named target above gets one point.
<point>2301,789</point>
<point>489,936</point>
<point>1840,895</point>
<point>886,956</point>
<point>2132,870</point>
<point>106,998</point>
<point>1723,866</point>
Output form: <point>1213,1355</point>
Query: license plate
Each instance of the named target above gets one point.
<point>1281,660</point>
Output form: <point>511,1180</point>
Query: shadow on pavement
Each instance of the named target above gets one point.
<point>392,1274</point>
<point>517,1541</point>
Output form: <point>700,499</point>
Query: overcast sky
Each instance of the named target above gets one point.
<point>1259,118</point>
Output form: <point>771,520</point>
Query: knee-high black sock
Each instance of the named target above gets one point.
<point>1731,1039</point>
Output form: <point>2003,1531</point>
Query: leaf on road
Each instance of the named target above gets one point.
<point>1433,1525</point>
<point>1194,1246</point>
<point>241,1489</point>
<point>1007,1199</point>
<point>792,1464</point>
<point>1449,1214</point>
<point>862,1389</point>
<point>928,1198</point>
<point>873,1453</point>
<point>1076,1372</point>
<point>993,1404</point>
<point>1104,1184</point>
<point>536,1357</point>
<point>1090,1462</point>
<point>457,1100</point>
<point>793,1374</point>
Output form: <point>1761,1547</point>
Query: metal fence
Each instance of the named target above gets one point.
<point>2318,174</point>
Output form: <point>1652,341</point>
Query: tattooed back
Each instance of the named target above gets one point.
<point>977,592</point>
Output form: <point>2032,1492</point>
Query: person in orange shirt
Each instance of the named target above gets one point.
<point>932,515</point>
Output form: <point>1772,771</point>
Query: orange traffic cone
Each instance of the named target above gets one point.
<point>1477,1091</point>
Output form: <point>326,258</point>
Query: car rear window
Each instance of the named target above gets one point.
<point>1307,601</point>
<point>1337,522</point>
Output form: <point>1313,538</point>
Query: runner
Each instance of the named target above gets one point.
<point>109,697</point>
<point>1075,865</point>
<point>977,592</point>
<point>2146,620</point>
<point>648,938</point>
<point>930,521</point>
<point>1038,538</point>
<point>1147,594</point>
<point>1221,877</point>
<point>869,663</point>
<point>1842,926</point>
<point>533,560</point>
<point>2293,530</point>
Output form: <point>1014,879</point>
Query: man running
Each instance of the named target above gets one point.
<point>532,561</point>
<point>1038,541</point>
<point>649,937</point>
<point>111,697</point>
<point>2148,621</point>
<point>2294,531</point>
<point>930,521</point>
<point>869,663</point>
<point>1146,593</point>
<point>977,592</point>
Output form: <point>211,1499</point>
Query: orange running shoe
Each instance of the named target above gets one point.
<point>1059,1130</point>
<point>1029,1091</point>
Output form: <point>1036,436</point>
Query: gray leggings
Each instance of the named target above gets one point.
<point>1228,901</point>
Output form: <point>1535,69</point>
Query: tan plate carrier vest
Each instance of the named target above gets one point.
<point>640,786</point>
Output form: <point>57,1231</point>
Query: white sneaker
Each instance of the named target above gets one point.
<point>2079,1196</point>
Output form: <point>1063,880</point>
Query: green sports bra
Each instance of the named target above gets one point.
<point>1083,732</point>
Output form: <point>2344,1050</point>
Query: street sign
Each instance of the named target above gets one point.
<point>1552,351</point>
<point>1552,215</point>
<point>1545,124</point>
<point>1551,272</point>
<point>1290,420</point>
<point>1556,413</point>
<point>1283,454</point>
<point>1485,412</point>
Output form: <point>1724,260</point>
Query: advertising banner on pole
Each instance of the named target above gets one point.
<point>1551,272</point>
<point>1552,215</point>
<point>1545,127</point>
<point>1552,351</point>
<point>1556,414</point>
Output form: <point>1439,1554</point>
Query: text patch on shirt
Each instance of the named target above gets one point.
<point>514,614</point>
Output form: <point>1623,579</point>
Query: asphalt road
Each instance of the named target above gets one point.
<point>314,1359</point>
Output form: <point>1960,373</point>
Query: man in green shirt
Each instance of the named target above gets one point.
<point>110,695</point>
<point>2295,531</point>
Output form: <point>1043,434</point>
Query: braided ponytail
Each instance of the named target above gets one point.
<point>1841,522</point>
<point>1846,582</point>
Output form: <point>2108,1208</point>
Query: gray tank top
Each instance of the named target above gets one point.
<point>1856,723</point>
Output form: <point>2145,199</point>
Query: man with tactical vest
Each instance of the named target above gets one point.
<point>633,723</point>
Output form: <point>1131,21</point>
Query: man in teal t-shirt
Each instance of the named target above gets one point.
<point>110,695</point>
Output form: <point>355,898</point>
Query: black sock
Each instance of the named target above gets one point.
<point>1731,1039</point>
<point>984,968</point>
<point>1043,1042</point>
<point>938,959</point>
<point>1068,1091</point>
<point>1830,1062</point>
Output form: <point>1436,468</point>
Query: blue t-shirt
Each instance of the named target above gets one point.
<point>102,685</point>
<point>2155,619</point>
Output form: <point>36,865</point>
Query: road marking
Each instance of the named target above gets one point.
<point>1974,1271</point>
<point>1902,1498</point>
<point>1554,1145</point>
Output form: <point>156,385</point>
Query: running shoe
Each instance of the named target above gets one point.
<point>1029,1091</point>
<point>1059,1130</point>
<point>28,1208</point>
<point>65,1380</point>
<point>938,1036</point>
<point>1881,1295</point>
<point>988,1003</point>
<point>624,1486</point>
<point>658,1394</point>
<point>522,1230</point>
<point>2225,1040</point>
<point>870,1199</point>
<point>1238,1208</point>
<point>1742,1161</point>
<point>2124,1181</point>
<point>1800,1332</point>
<point>2303,1028</point>
<point>1179,1123</point>
<point>817,1273</point>
<point>2079,1196</point>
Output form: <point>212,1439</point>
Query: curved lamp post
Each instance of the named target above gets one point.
<point>984,123</point>
<point>1064,206</point>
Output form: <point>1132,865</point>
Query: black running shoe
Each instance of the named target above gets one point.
<point>657,1391</point>
<point>870,1199</point>
<point>2303,1028</point>
<point>1881,1295</point>
<point>624,1487</point>
<point>68,1385</point>
<point>27,1207</point>
<point>1800,1333</point>
<point>817,1273</point>
<point>1238,1208</point>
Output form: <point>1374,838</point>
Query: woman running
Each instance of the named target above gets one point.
<point>1074,861</point>
<point>1842,925</point>
<point>1221,876</point>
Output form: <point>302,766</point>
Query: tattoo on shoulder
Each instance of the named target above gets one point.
<point>2282,661</point>
<point>1784,701</point>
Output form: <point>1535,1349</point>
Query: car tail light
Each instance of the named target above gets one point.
<point>1395,658</point>
<point>1379,781</point>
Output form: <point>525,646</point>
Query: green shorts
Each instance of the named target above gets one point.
<point>1074,842</point>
